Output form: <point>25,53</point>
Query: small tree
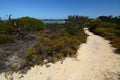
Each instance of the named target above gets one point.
<point>94,23</point>
<point>75,24</point>
<point>9,16</point>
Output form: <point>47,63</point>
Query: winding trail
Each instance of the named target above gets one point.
<point>96,61</point>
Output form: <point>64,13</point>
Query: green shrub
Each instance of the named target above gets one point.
<point>7,38</point>
<point>94,24</point>
<point>57,42</point>
<point>50,49</point>
<point>117,50</point>
<point>53,36</point>
<point>108,28</point>
<point>7,27</point>
<point>104,31</point>
<point>30,56</point>
<point>30,24</point>
<point>74,24</point>
<point>116,43</point>
<point>55,28</point>
<point>109,25</point>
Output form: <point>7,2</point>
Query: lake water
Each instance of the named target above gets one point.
<point>53,22</point>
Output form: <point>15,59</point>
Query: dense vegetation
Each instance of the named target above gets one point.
<point>58,41</point>
<point>53,42</point>
<point>108,27</point>
<point>30,24</point>
<point>9,28</point>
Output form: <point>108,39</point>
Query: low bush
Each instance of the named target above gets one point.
<point>74,24</point>
<point>30,56</point>
<point>117,50</point>
<point>9,28</point>
<point>54,47</point>
<point>116,43</point>
<point>57,42</point>
<point>104,31</point>
<point>110,29</point>
<point>7,38</point>
<point>30,24</point>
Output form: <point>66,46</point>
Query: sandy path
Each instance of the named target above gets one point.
<point>96,62</point>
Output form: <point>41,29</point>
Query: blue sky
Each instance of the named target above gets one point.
<point>59,8</point>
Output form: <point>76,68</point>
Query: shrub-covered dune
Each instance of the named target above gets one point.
<point>52,42</point>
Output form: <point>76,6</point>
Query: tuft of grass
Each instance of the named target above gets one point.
<point>5,38</point>
<point>30,56</point>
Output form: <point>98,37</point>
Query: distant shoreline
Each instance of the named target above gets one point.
<point>53,21</point>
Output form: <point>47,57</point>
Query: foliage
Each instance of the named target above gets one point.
<point>75,24</point>
<point>56,28</point>
<point>8,28</point>
<point>94,23</point>
<point>7,38</point>
<point>110,19</point>
<point>30,55</point>
<point>57,42</point>
<point>30,24</point>
<point>108,27</point>
<point>117,50</point>
<point>116,43</point>
<point>51,48</point>
<point>54,42</point>
<point>104,31</point>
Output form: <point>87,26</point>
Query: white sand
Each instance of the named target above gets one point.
<point>96,62</point>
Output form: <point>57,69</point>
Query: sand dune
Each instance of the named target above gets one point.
<point>95,61</point>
